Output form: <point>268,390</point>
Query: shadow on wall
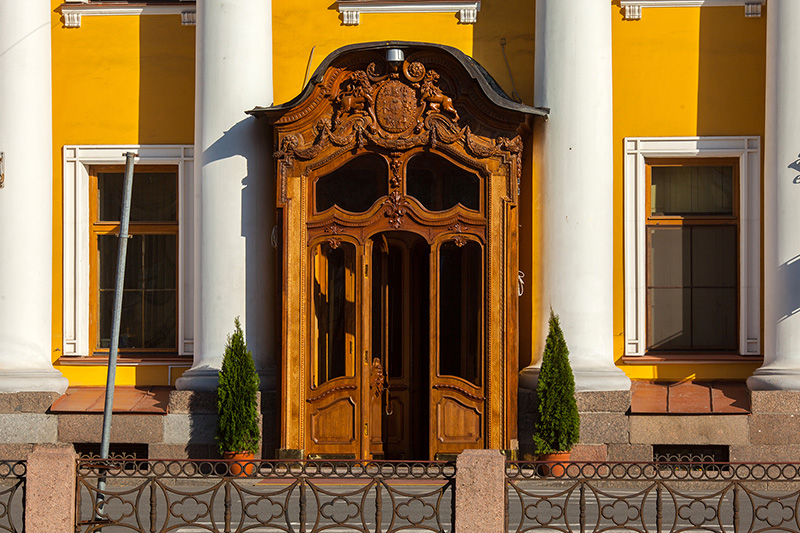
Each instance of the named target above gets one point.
<point>512,66</point>
<point>166,80</point>
<point>789,278</point>
<point>731,72</point>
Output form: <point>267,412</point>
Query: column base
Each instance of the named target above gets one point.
<point>774,379</point>
<point>33,381</point>
<point>586,379</point>
<point>206,379</point>
<point>199,379</point>
<point>600,379</point>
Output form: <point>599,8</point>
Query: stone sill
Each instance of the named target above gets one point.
<point>126,360</point>
<point>691,358</point>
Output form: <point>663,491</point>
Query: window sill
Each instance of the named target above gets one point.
<point>126,360</point>
<point>691,358</point>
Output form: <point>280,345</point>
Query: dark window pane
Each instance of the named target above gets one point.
<point>149,314</point>
<point>668,256</point>
<point>387,307</point>
<point>714,319</point>
<point>714,256</point>
<point>108,247</point>
<point>396,295</point>
<point>692,288</point>
<point>669,319</point>
<point>159,324</point>
<point>699,190</point>
<point>154,197</point>
<point>334,309</point>
<point>130,328</point>
<point>159,262</point>
<point>440,185</point>
<point>355,187</point>
<point>460,317</point>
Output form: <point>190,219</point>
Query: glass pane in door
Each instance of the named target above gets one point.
<point>460,315</point>
<point>334,312</point>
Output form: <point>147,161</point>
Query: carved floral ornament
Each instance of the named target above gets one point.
<point>394,107</point>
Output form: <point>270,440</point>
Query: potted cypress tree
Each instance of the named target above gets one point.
<point>237,404</point>
<point>558,428</point>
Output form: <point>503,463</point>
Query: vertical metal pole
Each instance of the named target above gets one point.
<point>659,508</point>
<point>378,504</point>
<point>582,513</point>
<point>228,482</point>
<point>153,503</point>
<point>112,356</point>
<point>736,506</point>
<point>303,505</point>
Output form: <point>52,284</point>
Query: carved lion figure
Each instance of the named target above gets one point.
<point>357,94</point>
<point>433,96</point>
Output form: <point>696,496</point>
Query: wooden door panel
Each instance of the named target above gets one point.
<point>459,424</point>
<point>397,420</point>
<point>333,424</point>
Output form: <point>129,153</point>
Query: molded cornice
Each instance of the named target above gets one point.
<point>633,8</point>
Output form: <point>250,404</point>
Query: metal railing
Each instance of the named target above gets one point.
<point>288,496</point>
<point>657,497</point>
<point>12,496</point>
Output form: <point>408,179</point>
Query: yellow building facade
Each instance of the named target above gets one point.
<point>649,209</point>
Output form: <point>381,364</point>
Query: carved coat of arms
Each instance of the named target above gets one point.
<point>396,106</point>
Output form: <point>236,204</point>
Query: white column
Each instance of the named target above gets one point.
<point>26,200</point>
<point>234,202</point>
<point>575,167</point>
<point>781,369</point>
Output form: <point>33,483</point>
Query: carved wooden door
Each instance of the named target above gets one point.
<point>333,392</point>
<point>397,189</point>
<point>457,404</point>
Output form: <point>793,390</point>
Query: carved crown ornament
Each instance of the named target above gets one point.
<point>396,107</point>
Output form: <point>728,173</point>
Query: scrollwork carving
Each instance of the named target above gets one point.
<point>414,71</point>
<point>398,112</point>
<point>396,205</point>
<point>396,165</point>
<point>377,378</point>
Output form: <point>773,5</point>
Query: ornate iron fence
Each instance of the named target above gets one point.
<point>12,496</point>
<point>288,496</point>
<point>657,497</point>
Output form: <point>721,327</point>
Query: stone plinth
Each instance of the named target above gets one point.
<point>480,492</point>
<point>50,489</point>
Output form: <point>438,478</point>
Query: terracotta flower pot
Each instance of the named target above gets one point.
<point>556,464</point>
<point>241,463</point>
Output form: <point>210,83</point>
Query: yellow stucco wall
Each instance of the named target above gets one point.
<point>683,72</point>
<point>678,71</point>
<point>116,80</point>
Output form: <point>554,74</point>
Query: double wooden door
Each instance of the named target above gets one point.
<point>396,354</point>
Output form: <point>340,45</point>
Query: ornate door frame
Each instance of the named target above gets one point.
<point>435,101</point>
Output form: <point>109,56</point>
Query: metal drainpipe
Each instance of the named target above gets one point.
<point>112,356</point>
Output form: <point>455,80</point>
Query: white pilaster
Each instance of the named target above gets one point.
<point>26,200</point>
<point>781,369</point>
<point>234,202</point>
<point>573,79</point>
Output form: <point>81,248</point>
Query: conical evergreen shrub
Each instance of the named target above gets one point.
<point>558,428</point>
<point>237,401</point>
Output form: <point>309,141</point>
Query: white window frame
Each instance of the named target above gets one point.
<point>77,163</point>
<point>641,150</point>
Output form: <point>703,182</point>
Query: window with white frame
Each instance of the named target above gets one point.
<point>692,246</point>
<point>159,277</point>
